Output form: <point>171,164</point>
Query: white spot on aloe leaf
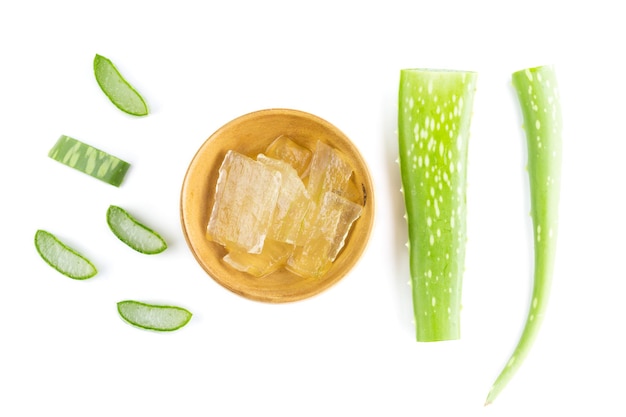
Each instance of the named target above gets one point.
<point>529,74</point>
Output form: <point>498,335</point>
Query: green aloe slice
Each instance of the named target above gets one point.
<point>117,89</point>
<point>161,318</point>
<point>133,233</point>
<point>89,160</point>
<point>63,258</point>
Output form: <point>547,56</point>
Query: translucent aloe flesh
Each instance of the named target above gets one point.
<point>89,160</point>
<point>163,318</point>
<point>434,114</point>
<point>538,96</point>
<point>63,258</point>
<point>117,89</point>
<point>133,233</point>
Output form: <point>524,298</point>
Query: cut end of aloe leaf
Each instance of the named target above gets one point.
<point>117,89</point>
<point>133,233</point>
<point>89,160</point>
<point>162,318</point>
<point>63,258</point>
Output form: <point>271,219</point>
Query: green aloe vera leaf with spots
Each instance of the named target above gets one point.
<point>538,96</point>
<point>89,160</point>
<point>434,115</point>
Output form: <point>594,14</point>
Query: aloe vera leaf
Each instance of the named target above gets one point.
<point>63,258</point>
<point>89,160</point>
<point>133,233</point>
<point>117,89</point>
<point>434,114</point>
<point>163,318</point>
<point>538,95</point>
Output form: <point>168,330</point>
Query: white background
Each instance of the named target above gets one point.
<point>351,350</point>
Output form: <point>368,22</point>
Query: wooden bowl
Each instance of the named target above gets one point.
<point>250,135</point>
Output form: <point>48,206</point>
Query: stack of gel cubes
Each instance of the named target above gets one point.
<point>289,207</point>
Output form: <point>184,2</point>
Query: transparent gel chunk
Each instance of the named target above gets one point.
<point>324,236</point>
<point>285,149</point>
<point>245,199</point>
<point>349,213</point>
<point>273,257</point>
<point>292,204</point>
<point>328,172</point>
<point>353,192</point>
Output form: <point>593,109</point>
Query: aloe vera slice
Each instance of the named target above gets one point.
<point>117,89</point>
<point>133,233</point>
<point>538,95</point>
<point>89,160</point>
<point>63,258</point>
<point>434,113</point>
<point>161,318</point>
